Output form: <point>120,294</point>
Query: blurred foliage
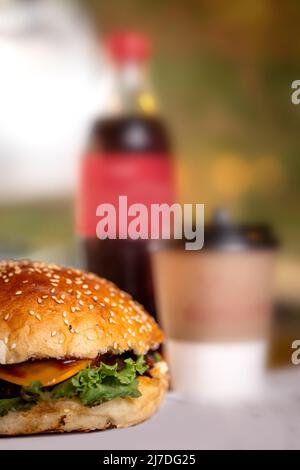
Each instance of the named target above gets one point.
<point>223,72</point>
<point>36,226</point>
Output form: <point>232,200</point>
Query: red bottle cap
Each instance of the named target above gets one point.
<point>129,46</point>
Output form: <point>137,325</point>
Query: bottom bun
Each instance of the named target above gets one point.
<point>66,415</point>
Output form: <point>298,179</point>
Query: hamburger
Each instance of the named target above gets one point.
<point>76,352</point>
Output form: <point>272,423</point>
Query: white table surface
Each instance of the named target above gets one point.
<point>273,423</point>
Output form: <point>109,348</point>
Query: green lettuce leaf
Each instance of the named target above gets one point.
<point>13,404</point>
<point>157,357</point>
<point>29,396</point>
<point>141,365</point>
<point>64,389</point>
<point>35,392</point>
<point>92,386</point>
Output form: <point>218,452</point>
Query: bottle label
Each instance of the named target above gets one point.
<point>143,178</point>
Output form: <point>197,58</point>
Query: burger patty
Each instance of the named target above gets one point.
<point>11,390</point>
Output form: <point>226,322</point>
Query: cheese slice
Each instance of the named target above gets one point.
<point>48,371</point>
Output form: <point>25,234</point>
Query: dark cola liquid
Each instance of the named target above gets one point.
<point>131,135</point>
<point>126,262</point>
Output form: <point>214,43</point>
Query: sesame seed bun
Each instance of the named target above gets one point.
<point>48,311</point>
<point>67,415</point>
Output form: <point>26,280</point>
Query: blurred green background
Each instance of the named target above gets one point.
<point>223,73</point>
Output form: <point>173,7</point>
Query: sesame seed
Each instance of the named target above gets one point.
<point>81,302</point>
<point>64,314</point>
<point>6,317</point>
<point>6,340</point>
<point>85,286</point>
<point>38,316</point>
<point>6,280</point>
<point>31,312</point>
<point>18,292</point>
<point>90,338</point>
<point>53,333</point>
<point>113,304</point>
<point>66,410</point>
<point>95,298</point>
<point>76,330</point>
<point>91,307</point>
<point>61,341</point>
<point>73,309</point>
<point>13,346</point>
<point>25,281</point>
<point>39,300</point>
<point>125,335</point>
<point>115,345</point>
<point>66,322</point>
<point>96,287</point>
<point>44,296</point>
<point>111,313</point>
<point>68,281</point>
<point>112,321</point>
<point>52,290</point>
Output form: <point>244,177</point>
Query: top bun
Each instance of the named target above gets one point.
<point>47,311</point>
